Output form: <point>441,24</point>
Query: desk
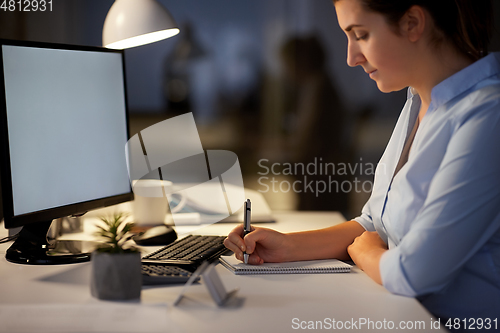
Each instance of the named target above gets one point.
<point>271,301</point>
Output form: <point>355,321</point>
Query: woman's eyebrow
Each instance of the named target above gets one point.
<point>349,28</point>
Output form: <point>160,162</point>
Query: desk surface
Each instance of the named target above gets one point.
<point>271,303</point>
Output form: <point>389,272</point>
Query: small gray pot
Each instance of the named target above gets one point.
<point>116,276</point>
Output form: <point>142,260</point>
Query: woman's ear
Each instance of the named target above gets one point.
<point>413,23</point>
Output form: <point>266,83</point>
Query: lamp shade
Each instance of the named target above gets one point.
<point>131,23</point>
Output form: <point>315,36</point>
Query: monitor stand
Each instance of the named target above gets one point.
<point>33,248</point>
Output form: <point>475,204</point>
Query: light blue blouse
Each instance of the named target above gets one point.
<point>440,214</point>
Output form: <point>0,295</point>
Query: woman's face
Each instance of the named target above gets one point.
<point>373,45</point>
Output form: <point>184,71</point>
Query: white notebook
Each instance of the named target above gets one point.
<point>294,267</point>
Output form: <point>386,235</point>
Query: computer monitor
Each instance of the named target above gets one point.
<point>63,130</point>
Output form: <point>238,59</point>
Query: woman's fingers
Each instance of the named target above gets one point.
<point>254,259</point>
<point>234,242</point>
<point>261,244</point>
<point>261,236</point>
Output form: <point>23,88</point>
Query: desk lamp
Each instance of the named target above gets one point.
<point>132,23</point>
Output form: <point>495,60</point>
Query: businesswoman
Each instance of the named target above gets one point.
<point>431,228</point>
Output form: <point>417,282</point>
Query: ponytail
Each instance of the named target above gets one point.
<point>474,27</point>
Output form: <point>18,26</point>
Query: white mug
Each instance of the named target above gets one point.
<point>150,204</point>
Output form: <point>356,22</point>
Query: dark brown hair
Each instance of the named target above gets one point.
<point>467,23</point>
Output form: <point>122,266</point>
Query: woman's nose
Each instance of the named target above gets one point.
<point>354,55</point>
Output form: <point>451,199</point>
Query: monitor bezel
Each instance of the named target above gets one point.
<point>10,219</point>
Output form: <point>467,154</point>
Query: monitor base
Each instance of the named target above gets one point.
<point>33,248</point>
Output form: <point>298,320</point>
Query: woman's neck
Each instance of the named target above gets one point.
<point>435,68</point>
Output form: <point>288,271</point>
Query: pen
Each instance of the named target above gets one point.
<point>246,224</point>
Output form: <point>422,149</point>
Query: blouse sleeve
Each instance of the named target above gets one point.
<point>460,213</point>
<point>365,219</point>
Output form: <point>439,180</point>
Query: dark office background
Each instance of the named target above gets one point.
<point>229,67</point>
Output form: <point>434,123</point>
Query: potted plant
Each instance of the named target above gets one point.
<point>116,266</point>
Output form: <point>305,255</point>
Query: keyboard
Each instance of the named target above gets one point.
<point>176,262</point>
<point>161,274</point>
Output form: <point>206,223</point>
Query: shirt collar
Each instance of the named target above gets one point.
<point>462,80</point>
<point>411,92</point>
<point>465,79</point>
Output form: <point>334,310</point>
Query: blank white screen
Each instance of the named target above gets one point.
<point>67,126</point>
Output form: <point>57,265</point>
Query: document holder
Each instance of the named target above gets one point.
<point>212,282</point>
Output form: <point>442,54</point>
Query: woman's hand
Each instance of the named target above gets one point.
<point>262,244</point>
<point>366,251</point>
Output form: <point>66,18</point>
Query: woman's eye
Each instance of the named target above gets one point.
<point>362,37</point>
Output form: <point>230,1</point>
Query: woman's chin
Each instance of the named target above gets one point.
<point>385,88</point>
